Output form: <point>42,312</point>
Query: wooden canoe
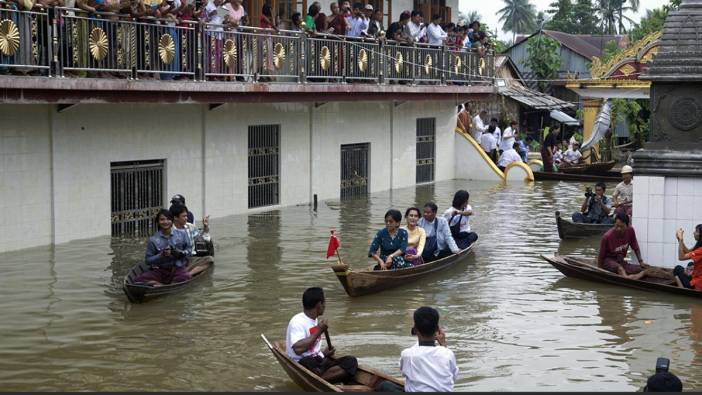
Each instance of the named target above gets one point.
<point>586,269</point>
<point>371,281</point>
<point>589,168</point>
<point>555,176</point>
<point>568,229</point>
<point>366,379</point>
<point>138,293</point>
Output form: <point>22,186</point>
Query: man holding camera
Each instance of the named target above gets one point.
<point>663,380</point>
<point>426,366</point>
<point>595,208</point>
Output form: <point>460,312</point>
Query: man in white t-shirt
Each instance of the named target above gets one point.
<point>509,156</point>
<point>488,143</point>
<point>303,341</point>
<point>572,155</point>
<point>508,136</point>
<point>426,366</point>
<point>479,126</point>
<point>497,132</point>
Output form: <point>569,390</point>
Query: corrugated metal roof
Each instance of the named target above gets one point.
<point>534,99</point>
<point>585,45</point>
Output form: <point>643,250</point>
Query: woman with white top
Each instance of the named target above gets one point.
<point>458,217</point>
<point>508,137</point>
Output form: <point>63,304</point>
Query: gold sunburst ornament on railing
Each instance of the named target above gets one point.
<point>428,63</point>
<point>399,62</point>
<point>9,37</point>
<point>482,67</point>
<point>98,44</point>
<point>457,64</point>
<point>166,48</point>
<point>324,58</point>
<point>230,51</point>
<point>278,56</point>
<point>362,60</point>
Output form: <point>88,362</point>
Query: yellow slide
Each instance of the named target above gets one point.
<point>472,163</point>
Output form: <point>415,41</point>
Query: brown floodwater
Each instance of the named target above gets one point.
<point>513,321</point>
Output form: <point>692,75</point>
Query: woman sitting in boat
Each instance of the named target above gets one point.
<point>392,242</point>
<point>416,237</point>
<point>595,208</point>
<point>684,279</point>
<point>614,247</point>
<point>458,217</point>
<point>166,253</point>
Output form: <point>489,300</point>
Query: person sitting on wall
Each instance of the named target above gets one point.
<point>426,366</point>
<point>624,192</point>
<point>692,277</point>
<point>572,156</point>
<point>440,242</point>
<point>458,218</point>
<point>509,156</point>
<point>195,262</point>
<point>180,199</point>
<point>596,207</point>
<point>614,247</point>
<point>392,243</point>
<point>166,253</point>
<point>303,341</point>
<point>417,237</point>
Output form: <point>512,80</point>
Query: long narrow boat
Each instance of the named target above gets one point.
<point>556,176</point>
<point>568,229</point>
<point>586,269</point>
<point>370,281</point>
<point>366,379</point>
<point>589,168</point>
<point>138,293</point>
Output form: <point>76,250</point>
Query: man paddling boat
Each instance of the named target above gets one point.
<point>614,247</point>
<point>304,344</point>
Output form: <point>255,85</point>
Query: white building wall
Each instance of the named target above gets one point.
<point>25,177</point>
<point>82,141</point>
<point>661,206</point>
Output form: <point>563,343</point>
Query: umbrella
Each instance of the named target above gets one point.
<point>601,125</point>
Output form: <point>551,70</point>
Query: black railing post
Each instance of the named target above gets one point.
<point>302,59</point>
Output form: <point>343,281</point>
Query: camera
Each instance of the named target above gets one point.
<point>662,364</point>
<point>177,253</point>
<point>588,192</point>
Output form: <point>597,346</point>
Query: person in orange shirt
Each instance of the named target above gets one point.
<point>464,121</point>
<point>684,278</point>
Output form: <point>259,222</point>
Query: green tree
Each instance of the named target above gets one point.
<point>585,18</point>
<point>572,17</point>
<point>544,59</point>
<point>464,18</point>
<point>518,16</point>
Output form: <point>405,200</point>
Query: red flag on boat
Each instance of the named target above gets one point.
<point>333,244</point>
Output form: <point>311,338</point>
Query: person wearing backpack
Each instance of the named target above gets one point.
<point>458,217</point>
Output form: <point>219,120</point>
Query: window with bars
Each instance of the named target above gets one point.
<point>354,170</point>
<point>137,194</point>
<point>264,165</point>
<point>426,133</point>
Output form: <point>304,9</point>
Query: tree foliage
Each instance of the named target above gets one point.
<point>465,18</point>
<point>518,16</point>
<point>544,59</point>
<point>572,17</point>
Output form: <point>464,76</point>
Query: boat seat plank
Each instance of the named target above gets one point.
<point>355,388</point>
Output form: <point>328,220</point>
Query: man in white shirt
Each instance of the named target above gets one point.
<point>479,126</point>
<point>356,21</point>
<point>497,132</point>
<point>572,155</point>
<point>435,34</point>
<point>426,366</point>
<point>488,143</point>
<point>414,27</point>
<point>303,341</point>
<point>508,136</point>
<point>509,156</point>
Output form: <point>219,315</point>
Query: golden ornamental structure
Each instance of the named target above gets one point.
<point>98,44</point>
<point>166,48</point>
<point>428,63</point>
<point>9,37</point>
<point>362,60</point>
<point>278,56</point>
<point>457,63</point>
<point>482,67</point>
<point>325,58</point>
<point>230,52</point>
<point>642,51</point>
<point>399,62</point>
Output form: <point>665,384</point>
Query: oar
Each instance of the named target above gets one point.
<point>326,336</point>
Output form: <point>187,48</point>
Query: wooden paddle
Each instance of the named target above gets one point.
<point>326,336</point>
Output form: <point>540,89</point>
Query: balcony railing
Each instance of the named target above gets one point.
<point>67,42</point>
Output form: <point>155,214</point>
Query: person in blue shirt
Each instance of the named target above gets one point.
<point>523,148</point>
<point>439,242</point>
<point>166,253</point>
<point>392,243</point>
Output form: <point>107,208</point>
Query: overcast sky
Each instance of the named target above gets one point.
<point>488,10</point>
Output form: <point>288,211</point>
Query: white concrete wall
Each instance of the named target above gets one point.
<point>470,164</point>
<point>82,141</point>
<point>25,177</point>
<point>661,206</point>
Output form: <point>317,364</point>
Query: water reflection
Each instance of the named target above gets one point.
<point>513,321</point>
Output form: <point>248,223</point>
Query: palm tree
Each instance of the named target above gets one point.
<point>518,16</point>
<point>464,18</point>
<point>612,14</point>
<point>633,7</point>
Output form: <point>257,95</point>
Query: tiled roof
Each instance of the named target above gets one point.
<point>586,45</point>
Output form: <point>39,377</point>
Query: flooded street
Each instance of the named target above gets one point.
<point>513,321</point>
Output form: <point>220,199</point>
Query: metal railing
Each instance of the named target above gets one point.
<point>70,42</point>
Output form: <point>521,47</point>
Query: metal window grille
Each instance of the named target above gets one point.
<point>137,195</point>
<point>426,133</point>
<point>264,165</point>
<point>354,170</point>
